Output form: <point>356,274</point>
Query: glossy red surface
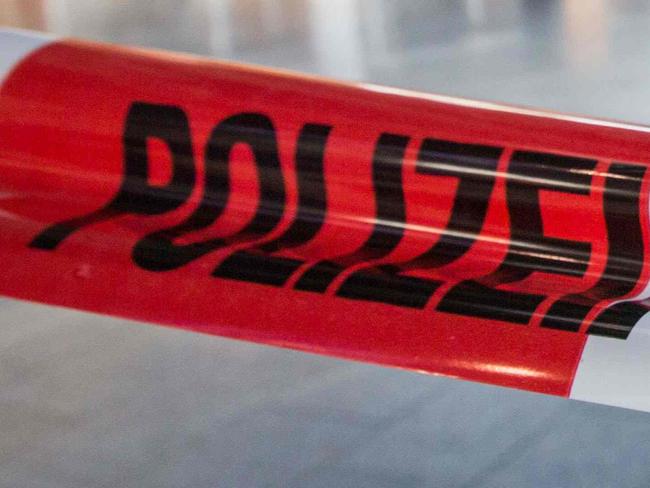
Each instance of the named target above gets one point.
<point>63,146</point>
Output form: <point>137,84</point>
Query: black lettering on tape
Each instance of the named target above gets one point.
<point>624,264</point>
<point>158,252</point>
<point>256,264</point>
<point>529,249</point>
<point>390,216</point>
<point>475,167</point>
<point>136,195</point>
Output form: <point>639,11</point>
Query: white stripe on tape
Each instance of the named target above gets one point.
<point>15,44</point>
<point>616,372</point>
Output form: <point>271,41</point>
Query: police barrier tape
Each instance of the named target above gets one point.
<point>480,241</point>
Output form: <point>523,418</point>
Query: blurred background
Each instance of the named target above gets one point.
<point>88,401</point>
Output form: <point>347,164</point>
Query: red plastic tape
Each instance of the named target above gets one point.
<point>462,238</point>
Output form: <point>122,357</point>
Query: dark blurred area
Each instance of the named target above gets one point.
<point>89,401</point>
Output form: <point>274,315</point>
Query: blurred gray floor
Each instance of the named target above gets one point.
<point>87,401</point>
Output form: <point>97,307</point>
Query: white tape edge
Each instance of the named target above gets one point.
<point>15,44</point>
<point>616,372</point>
